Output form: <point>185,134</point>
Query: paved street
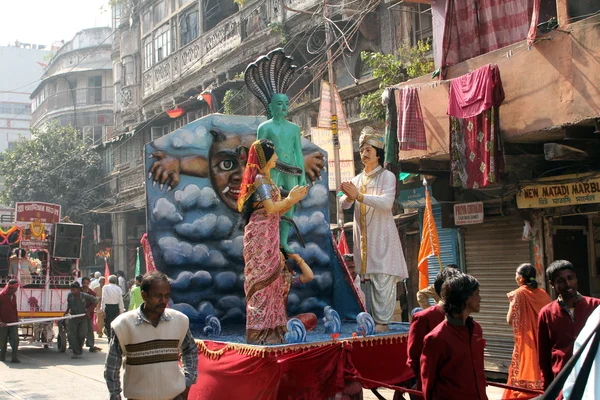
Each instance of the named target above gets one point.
<point>45,374</point>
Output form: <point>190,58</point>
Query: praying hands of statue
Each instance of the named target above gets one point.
<point>349,190</point>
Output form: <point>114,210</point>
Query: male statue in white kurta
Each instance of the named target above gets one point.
<point>378,252</point>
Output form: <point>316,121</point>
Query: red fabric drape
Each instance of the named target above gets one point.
<point>303,374</point>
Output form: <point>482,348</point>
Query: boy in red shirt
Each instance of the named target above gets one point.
<point>452,359</point>
<point>561,321</point>
<point>424,322</point>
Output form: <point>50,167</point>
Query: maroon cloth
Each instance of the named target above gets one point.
<point>305,374</point>
<point>475,92</point>
<point>8,308</point>
<point>477,27</point>
<point>557,334</point>
<point>90,307</point>
<point>422,324</point>
<point>411,130</point>
<point>476,151</point>
<point>452,363</point>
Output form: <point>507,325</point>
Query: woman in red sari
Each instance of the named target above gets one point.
<point>525,305</point>
<point>266,281</point>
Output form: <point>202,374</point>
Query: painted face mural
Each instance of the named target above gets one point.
<point>196,233</point>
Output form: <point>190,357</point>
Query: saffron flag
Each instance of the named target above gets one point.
<point>106,270</point>
<point>148,253</point>
<point>430,243</point>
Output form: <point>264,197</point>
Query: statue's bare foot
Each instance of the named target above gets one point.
<point>381,328</point>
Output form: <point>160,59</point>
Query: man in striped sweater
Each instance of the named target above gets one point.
<point>152,338</point>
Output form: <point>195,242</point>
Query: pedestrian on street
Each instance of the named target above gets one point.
<point>135,295</point>
<point>452,359</point>
<point>77,327</point>
<point>122,282</point>
<point>90,308</point>
<point>561,321</point>
<point>95,282</point>
<point>523,312</point>
<point>429,292</point>
<point>424,322</point>
<point>99,312</point>
<point>151,338</point>
<point>9,314</point>
<point>112,303</point>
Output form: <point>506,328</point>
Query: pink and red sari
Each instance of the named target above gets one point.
<point>266,284</point>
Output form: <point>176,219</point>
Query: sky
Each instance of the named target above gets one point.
<point>47,21</point>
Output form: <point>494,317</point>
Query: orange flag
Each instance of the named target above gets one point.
<point>430,243</point>
<point>106,270</point>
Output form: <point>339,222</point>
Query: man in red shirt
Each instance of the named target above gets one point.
<point>561,321</point>
<point>9,314</point>
<point>424,322</point>
<point>452,358</point>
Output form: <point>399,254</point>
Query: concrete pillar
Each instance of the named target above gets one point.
<point>201,17</point>
<point>119,250</point>
<point>562,12</point>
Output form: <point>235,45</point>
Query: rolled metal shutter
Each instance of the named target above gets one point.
<point>493,251</point>
<point>448,240</point>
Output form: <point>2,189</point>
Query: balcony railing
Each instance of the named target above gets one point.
<point>90,96</point>
<point>229,34</point>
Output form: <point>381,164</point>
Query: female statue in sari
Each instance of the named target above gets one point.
<point>267,282</point>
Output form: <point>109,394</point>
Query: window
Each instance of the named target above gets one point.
<point>160,12</point>
<point>162,43</point>
<point>188,25</point>
<point>148,52</point>
<point>116,14</point>
<point>147,22</point>
<point>155,132</point>
<point>108,161</point>
<point>94,89</point>
<point>5,109</point>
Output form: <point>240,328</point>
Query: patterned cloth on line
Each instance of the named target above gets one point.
<point>476,151</point>
<point>477,27</point>
<point>411,131</point>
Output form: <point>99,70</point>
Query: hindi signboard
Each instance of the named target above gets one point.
<point>468,213</point>
<point>322,136</point>
<point>35,211</point>
<point>570,190</point>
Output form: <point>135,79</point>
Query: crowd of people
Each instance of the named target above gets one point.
<point>446,345</point>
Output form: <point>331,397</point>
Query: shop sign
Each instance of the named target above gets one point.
<point>37,212</point>
<point>468,213</point>
<point>585,191</point>
<point>414,198</point>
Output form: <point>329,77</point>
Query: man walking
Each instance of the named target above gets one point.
<point>90,307</point>
<point>77,327</point>
<point>9,314</point>
<point>377,248</point>
<point>112,303</point>
<point>561,321</point>
<point>99,312</point>
<point>151,338</point>
<point>135,295</point>
<point>96,281</point>
<point>452,359</point>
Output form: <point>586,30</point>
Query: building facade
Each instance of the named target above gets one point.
<point>77,87</point>
<point>544,205</point>
<point>169,54</point>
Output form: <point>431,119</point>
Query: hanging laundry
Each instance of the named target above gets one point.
<point>475,27</point>
<point>411,131</point>
<point>476,151</point>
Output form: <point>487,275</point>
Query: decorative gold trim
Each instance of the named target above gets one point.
<point>260,153</point>
<point>269,351</point>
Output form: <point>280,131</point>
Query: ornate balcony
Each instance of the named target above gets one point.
<point>84,97</point>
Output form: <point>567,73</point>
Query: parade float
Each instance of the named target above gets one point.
<point>40,253</point>
<point>196,236</point>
